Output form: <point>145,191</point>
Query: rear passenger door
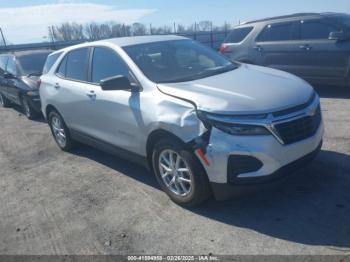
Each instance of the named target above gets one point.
<point>276,46</point>
<point>321,57</point>
<point>71,87</point>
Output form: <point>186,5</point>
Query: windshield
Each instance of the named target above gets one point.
<point>343,19</point>
<point>177,61</point>
<point>32,64</point>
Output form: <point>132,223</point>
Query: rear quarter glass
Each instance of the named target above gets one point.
<point>238,35</point>
<point>51,59</point>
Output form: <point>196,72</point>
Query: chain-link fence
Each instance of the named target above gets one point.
<point>211,39</point>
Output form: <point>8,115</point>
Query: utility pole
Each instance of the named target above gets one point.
<point>3,38</point>
<point>175,28</point>
<point>150,29</point>
<point>195,30</point>
<point>124,29</point>
<point>211,35</point>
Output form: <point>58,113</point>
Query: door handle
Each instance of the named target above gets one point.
<point>305,47</point>
<point>258,48</point>
<point>91,95</point>
<point>57,85</point>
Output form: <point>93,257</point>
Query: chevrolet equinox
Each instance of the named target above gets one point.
<point>202,123</point>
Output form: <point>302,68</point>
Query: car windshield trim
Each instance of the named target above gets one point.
<point>32,63</point>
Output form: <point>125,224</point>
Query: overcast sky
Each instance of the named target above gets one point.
<point>27,21</point>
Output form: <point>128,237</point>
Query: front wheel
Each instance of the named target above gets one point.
<point>28,110</point>
<point>179,173</point>
<point>60,131</point>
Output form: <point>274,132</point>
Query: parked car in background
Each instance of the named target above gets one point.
<point>20,80</point>
<point>200,121</point>
<point>313,46</point>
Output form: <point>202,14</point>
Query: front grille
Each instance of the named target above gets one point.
<point>299,129</point>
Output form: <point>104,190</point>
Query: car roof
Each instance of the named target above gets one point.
<point>292,16</point>
<point>28,52</point>
<point>135,40</point>
<point>126,41</point>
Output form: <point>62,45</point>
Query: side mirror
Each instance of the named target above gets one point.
<point>117,83</point>
<point>337,36</point>
<point>8,75</point>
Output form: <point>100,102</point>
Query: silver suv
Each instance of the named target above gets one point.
<point>313,46</point>
<point>203,124</point>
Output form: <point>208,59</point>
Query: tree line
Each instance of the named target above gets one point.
<point>94,31</point>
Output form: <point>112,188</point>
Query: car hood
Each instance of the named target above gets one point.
<point>247,89</point>
<point>32,82</point>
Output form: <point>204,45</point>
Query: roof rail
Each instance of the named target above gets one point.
<point>281,17</point>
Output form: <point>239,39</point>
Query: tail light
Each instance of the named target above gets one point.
<point>223,48</point>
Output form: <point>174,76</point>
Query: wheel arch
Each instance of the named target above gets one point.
<point>154,137</point>
<point>48,109</point>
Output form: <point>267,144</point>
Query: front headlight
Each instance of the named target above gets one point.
<point>234,128</point>
<point>33,93</point>
<point>242,130</point>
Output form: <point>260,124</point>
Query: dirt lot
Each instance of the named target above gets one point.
<point>89,202</point>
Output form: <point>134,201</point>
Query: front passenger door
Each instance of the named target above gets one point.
<point>114,115</point>
<point>12,82</point>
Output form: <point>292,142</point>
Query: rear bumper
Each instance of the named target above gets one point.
<point>224,191</point>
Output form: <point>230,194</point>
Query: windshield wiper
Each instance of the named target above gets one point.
<point>203,74</point>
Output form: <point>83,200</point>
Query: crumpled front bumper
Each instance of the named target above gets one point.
<point>277,159</point>
<point>35,103</point>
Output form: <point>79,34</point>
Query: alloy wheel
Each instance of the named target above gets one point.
<point>175,173</point>
<point>58,131</point>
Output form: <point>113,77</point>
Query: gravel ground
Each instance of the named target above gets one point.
<point>89,202</point>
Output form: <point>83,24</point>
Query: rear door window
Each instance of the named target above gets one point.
<point>238,35</point>
<point>77,64</point>
<point>278,32</point>
<point>315,29</point>
<point>51,59</point>
<point>106,63</point>
<point>62,68</point>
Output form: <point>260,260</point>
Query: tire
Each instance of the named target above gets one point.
<point>60,131</point>
<point>29,112</point>
<point>4,102</point>
<point>190,193</point>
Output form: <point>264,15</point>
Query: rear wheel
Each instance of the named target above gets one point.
<point>4,102</point>
<point>60,131</point>
<point>28,110</point>
<point>179,173</point>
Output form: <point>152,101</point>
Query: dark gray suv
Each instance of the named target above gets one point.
<point>313,46</point>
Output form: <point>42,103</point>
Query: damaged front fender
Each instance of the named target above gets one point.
<point>179,118</point>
